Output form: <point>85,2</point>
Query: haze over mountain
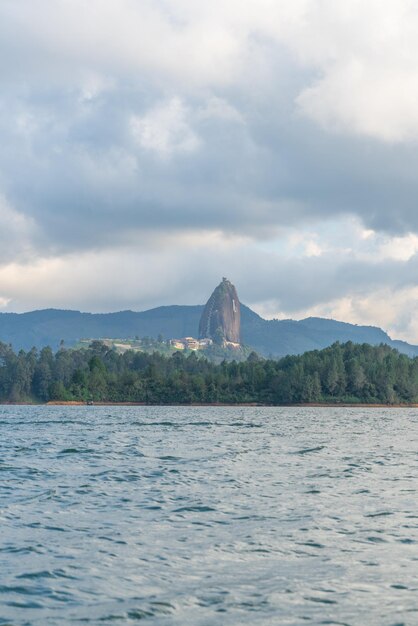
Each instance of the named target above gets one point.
<point>268,337</point>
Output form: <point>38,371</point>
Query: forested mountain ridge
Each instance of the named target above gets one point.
<point>268,337</point>
<point>341,373</point>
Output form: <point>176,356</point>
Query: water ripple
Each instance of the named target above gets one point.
<point>208,516</point>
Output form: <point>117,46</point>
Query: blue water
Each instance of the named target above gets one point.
<point>204,516</point>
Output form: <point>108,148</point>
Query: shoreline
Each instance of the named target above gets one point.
<point>320,405</point>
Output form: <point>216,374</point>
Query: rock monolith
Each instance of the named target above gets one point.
<point>221,319</point>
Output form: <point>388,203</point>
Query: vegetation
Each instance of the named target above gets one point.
<point>340,373</point>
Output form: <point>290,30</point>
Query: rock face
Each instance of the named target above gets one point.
<point>221,319</point>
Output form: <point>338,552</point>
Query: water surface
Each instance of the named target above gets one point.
<point>204,516</point>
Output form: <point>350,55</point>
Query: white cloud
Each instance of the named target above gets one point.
<point>366,55</point>
<point>400,248</point>
<point>118,37</point>
<point>312,249</point>
<point>94,85</point>
<point>165,129</point>
<point>365,99</point>
<point>368,245</point>
<point>219,108</point>
<point>17,234</point>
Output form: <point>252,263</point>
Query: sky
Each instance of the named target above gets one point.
<point>148,148</point>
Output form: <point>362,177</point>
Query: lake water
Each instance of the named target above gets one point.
<point>208,516</point>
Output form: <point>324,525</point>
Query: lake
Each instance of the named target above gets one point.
<point>207,516</point>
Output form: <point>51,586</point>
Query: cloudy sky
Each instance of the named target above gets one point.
<point>150,147</point>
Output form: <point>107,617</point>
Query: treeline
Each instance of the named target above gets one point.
<point>340,373</point>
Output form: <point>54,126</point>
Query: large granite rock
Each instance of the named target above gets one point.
<point>221,320</point>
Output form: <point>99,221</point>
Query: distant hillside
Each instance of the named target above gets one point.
<point>281,337</point>
<point>50,326</point>
<point>268,337</point>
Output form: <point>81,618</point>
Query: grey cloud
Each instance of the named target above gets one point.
<point>78,172</point>
<point>272,171</point>
<point>80,179</point>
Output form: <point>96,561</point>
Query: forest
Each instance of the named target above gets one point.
<point>341,373</point>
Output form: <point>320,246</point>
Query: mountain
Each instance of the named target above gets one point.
<point>220,319</point>
<point>281,337</point>
<point>50,326</point>
<point>268,337</point>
